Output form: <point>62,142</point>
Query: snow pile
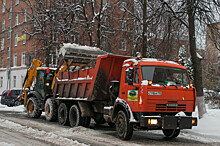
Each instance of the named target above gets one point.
<point>42,135</point>
<point>5,144</point>
<point>13,109</point>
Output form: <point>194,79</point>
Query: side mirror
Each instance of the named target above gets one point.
<point>130,76</point>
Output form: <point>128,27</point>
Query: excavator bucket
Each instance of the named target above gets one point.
<point>79,54</point>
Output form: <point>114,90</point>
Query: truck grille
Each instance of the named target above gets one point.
<point>164,107</point>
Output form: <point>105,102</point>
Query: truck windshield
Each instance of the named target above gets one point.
<point>168,76</point>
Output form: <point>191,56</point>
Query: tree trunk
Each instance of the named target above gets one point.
<point>144,33</point>
<point>197,67</point>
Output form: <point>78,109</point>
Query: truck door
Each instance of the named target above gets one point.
<point>130,93</point>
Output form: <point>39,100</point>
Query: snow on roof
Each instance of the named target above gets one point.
<point>150,60</point>
<point>46,68</point>
<point>76,46</point>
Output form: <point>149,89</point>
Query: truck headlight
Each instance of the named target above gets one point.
<point>152,122</point>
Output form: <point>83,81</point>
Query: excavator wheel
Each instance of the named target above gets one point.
<point>33,108</point>
<point>51,110</point>
<point>63,117</point>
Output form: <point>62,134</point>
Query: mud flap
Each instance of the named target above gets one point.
<point>174,122</point>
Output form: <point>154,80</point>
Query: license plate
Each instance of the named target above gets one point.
<point>172,104</point>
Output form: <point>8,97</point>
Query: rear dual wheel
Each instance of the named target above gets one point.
<point>63,110</point>
<point>75,118</point>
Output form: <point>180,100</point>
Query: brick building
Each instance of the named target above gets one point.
<point>211,62</point>
<point>15,45</point>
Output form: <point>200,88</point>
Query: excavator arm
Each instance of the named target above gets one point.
<point>29,79</point>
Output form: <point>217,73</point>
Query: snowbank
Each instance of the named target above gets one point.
<point>42,135</point>
<point>13,109</point>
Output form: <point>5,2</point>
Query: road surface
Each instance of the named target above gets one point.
<point>17,129</point>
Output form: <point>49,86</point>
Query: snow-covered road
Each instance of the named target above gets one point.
<point>14,122</point>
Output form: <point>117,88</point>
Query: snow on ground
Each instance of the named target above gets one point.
<point>5,144</point>
<point>42,135</point>
<point>208,129</point>
<point>14,109</point>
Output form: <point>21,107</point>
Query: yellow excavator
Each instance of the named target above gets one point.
<point>40,98</point>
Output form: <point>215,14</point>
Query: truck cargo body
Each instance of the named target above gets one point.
<point>158,95</point>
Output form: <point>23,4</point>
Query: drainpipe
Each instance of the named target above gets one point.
<point>9,68</point>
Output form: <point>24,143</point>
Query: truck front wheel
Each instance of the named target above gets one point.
<point>171,133</point>
<point>123,127</point>
<point>33,108</point>
<point>63,114</point>
<point>50,110</point>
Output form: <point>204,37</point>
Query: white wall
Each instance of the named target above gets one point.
<point>15,71</point>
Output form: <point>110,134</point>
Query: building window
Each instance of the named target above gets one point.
<point>3,25</point>
<point>8,49</point>
<point>22,81</point>
<point>25,16</point>
<point>1,82</point>
<point>123,5</point>
<point>106,20</point>
<point>10,13</point>
<point>17,2</point>
<point>15,60</point>
<point>105,2</point>
<point>16,39</point>
<point>123,44</point>
<point>9,33</point>
<point>3,44</point>
<point>123,24</point>
<point>16,19</point>
<point>22,59</point>
<point>14,81</point>
<point>3,6</point>
<point>24,39</point>
<point>105,43</point>
<point>2,62</point>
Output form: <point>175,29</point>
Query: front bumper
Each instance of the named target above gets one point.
<point>168,122</point>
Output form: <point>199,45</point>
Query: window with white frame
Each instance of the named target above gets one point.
<point>22,59</point>
<point>25,16</point>
<point>22,81</point>
<point>105,43</point>
<point>2,43</point>
<point>17,2</point>
<point>106,20</point>
<point>123,44</point>
<point>3,6</point>
<point>16,39</point>
<point>15,60</point>
<point>1,82</point>
<point>123,24</point>
<point>10,13</point>
<point>3,25</point>
<point>9,33</point>
<point>24,35</point>
<point>14,81</point>
<point>16,19</point>
<point>123,5</point>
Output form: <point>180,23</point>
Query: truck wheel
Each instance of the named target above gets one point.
<point>63,114</point>
<point>50,110</point>
<point>75,116</point>
<point>171,133</point>
<point>33,108</point>
<point>123,127</point>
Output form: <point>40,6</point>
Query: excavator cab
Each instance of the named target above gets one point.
<point>44,81</point>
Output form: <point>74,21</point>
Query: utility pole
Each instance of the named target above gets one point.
<point>9,51</point>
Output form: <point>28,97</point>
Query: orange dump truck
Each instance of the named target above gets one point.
<point>128,92</point>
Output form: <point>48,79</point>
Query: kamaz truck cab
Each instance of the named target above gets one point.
<point>158,94</point>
